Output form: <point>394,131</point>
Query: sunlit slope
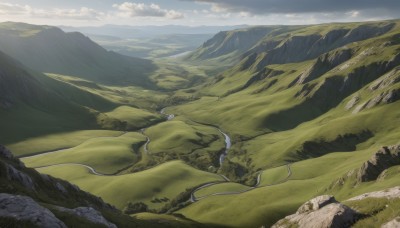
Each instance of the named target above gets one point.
<point>265,205</point>
<point>106,155</point>
<point>167,180</point>
<point>321,99</point>
<point>48,49</point>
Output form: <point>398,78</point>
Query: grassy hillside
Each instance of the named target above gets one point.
<point>307,108</point>
<point>71,54</point>
<point>167,180</point>
<point>315,100</point>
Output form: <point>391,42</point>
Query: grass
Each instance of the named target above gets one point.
<point>166,180</point>
<point>134,118</point>
<point>221,188</point>
<point>106,155</point>
<point>378,210</point>
<point>274,175</point>
<point>182,137</point>
<point>57,141</point>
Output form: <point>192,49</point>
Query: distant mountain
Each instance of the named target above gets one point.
<point>150,41</point>
<point>49,49</point>
<point>231,44</point>
<point>124,31</point>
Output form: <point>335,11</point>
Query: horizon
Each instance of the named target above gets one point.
<point>195,13</point>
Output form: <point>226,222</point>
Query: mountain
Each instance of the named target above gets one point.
<point>306,107</point>
<point>29,106</point>
<point>49,49</point>
<point>126,31</point>
<point>300,130</point>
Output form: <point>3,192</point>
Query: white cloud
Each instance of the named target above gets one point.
<point>130,9</point>
<point>14,10</point>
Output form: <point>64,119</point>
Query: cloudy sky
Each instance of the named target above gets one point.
<point>195,12</point>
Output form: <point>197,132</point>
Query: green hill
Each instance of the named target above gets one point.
<point>310,110</point>
<point>49,49</point>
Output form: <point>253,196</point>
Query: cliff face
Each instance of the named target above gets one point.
<point>229,42</point>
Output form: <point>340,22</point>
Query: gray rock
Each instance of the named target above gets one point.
<point>23,208</point>
<point>89,214</point>
<point>14,174</point>
<point>320,212</point>
<point>354,100</point>
<point>395,223</point>
<point>316,203</point>
<point>390,193</point>
<point>5,153</point>
<point>385,158</point>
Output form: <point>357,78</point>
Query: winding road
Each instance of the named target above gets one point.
<point>193,198</point>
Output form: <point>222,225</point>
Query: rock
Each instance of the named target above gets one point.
<point>390,193</point>
<point>320,212</point>
<point>23,208</point>
<point>89,214</point>
<point>15,175</point>
<point>354,100</point>
<point>5,153</point>
<point>385,158</point>
<point>316,203</point>
<point>325,63</point>
<point>389,79</point>
<point>395,223</point>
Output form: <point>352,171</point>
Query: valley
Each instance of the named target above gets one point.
<point>237,133</point>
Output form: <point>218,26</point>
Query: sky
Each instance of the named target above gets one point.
<point>195,12</point>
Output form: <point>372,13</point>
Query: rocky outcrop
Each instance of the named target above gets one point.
<point>23,208</point>
<point>26,181</point>
<point>385,97</point>
<point>390,193</point>
<point>14,174</point>
<point>325,63</point>
<point>395,223</point>
<point>89,214</point>
<point>320,212</point>
<point>227,42</point>
<point>383,159</point>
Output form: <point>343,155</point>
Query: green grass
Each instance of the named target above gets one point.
<point>105,154</point>
<point>57,141</point>
<point>274,175</point>
<point>178,136</point>
<point>166,180</point>
<point>378,210</point>
<point>221,188</point>
<point>135,118</point>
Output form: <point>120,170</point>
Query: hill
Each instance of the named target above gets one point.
<point>31,199</point>
<point>49,49</point>
<point>320,97</point>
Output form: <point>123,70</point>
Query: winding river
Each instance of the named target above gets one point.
<point>228,144</point>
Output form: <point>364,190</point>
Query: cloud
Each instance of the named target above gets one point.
<point>15,10</point>
<point>130,9</point>
<point>299,6</point>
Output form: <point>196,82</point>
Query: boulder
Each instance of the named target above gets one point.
<point>395,223</point>
<point>320,212</point>
<point>23,208</point>
<point>390,193</point>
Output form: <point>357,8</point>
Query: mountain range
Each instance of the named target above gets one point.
<point>260,126</point>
